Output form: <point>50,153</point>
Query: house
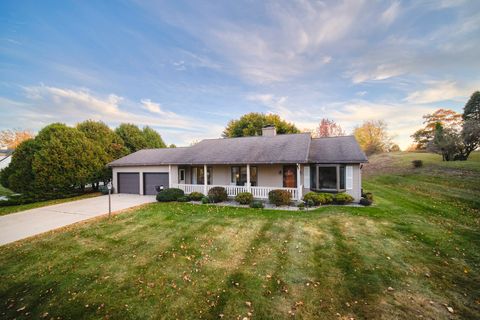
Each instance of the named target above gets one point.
<point>259,164</point>
<point>5,158</point>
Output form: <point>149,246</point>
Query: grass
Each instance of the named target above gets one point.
<point>22,207</point>
<point>183,261</point>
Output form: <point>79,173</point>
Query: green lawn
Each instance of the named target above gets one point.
<point>414,253</point>
<point>22,207</point>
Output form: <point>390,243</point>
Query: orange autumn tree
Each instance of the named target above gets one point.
<point>447,118</point>
<point>12,138</point>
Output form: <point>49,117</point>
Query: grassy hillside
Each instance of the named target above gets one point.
<point>416,253</point>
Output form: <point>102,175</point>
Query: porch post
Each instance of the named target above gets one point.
<point>299,183</point>
<point>169,175</point>
<point>248,177</point>
<point>205,179</point>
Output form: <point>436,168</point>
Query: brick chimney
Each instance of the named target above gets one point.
<point>269,131</point>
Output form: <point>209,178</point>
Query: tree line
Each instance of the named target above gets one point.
<point>372,135</point>
<point>62,159</point>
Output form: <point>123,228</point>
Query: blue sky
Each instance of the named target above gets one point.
<point>187,67</point>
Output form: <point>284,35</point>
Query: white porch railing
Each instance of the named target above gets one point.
<point>258,192</point>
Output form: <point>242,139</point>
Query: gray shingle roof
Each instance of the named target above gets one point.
<point>336,150</point>
<point>286,148</point>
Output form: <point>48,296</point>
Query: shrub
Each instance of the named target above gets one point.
<point>368,196</point>
<point>310,203</point>
<point>417,163</point>
<point>104,190</point>
<point>365,202</point>
<point>217,194</point>
<point>318,198</point>
<point>196,196</point>
<point>279,197</point>
<point>257,204</point>
<point>342,198</point>
<point>312,197</point>
<point>183,199</point>
<point>301,206</point>
<point>244,198</point>
<point>205,200</point>
<point>171,194</point>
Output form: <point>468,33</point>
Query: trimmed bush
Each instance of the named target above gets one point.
<point>417,163</point>
<point>318,198</point>
<point>244,198</point>
<point>171,194</point>
<point>183,199</point>
<point>301,206</point>
<point>365,202</point>
<point>217,194</point>
<point>343,198</point>
<point>205,200</point>
<point>310,203</point>
<point>257,204</point>
<point>196,196</point>
<point>368,196</point>
<point>279,197</point>
<point>311,196</point>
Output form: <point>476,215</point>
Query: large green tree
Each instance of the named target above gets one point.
<point>251,124</point>
<point>472,108</point>
<point>66,160</point>
<point>132,136</point>
<point>19,176</point>
<point>111,146</point>
<point>153,138</point>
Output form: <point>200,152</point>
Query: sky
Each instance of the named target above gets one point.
<point>186,68</point>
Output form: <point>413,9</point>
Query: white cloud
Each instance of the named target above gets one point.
<point>441,91</point>
<point>389,15</point>
<point>46,104</point>
<point>402,119</point>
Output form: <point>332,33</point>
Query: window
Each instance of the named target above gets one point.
<point>238,176</point>
<point>182,174</point>
<point>327,177</point>
<point>200,175</point>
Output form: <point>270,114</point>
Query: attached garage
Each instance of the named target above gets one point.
<point>129,182</point>
<point>152,180</point>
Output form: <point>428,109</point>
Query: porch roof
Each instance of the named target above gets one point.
<point>286,148</point>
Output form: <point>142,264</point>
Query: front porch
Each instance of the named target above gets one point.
<point>258,179</point>
<point>232,191</point>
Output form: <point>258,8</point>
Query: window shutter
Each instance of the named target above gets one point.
<point>349,177</point>
<point>306,177</point>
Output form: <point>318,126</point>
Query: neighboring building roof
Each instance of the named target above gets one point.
<point>343,149</point>
<point>285,148</point>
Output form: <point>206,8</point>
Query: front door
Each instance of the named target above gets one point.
<point>181,176</point>
<point>289,176</point>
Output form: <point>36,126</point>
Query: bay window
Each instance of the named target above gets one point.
<point>327,177</point>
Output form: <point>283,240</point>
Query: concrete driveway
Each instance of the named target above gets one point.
<point>31,222</point>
